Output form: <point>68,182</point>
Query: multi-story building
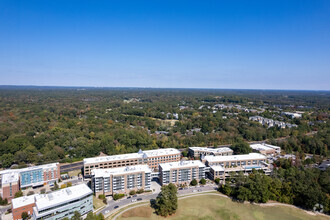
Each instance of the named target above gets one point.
<point>200,152</point>
<point>9,185</point>
<point>39,175</point>
<point>266,149</point>
<point>121,179</point>
<point>182,172</point>
<point>55,205</point>
<point>35,175</point>
<point>22,204</point>
<point>222,166</point>
<point>152,158</point>
<point>63,203</point>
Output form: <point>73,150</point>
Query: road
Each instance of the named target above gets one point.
<point>71,166</point>
<point>3,210</point>
<point>147,197</point>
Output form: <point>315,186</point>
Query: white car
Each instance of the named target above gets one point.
<point>133,200</point>
<point>106,212</point>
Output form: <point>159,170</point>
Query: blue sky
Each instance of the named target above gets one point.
<point>182,44</point>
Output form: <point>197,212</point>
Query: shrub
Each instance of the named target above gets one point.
<point>25,215</point>
<point>217,180</point>
<point>63,186</point>
<point>101,196</point>
<point>202,181</point>
<point>140,191</point>
<point>42,191</point>
<point>18,194</point>
<point>193,182</point>
<point>132,192</point>
<point>69,184</point>
<point>118,196</point>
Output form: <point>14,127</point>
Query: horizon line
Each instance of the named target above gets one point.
<point>148,87</point>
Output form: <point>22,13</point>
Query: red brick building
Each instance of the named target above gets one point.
<point>22,204</point>
<point>10,185</point>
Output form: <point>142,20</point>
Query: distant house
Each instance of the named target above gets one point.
<point>324,165</point>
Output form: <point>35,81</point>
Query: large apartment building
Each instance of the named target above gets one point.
<point>221,166</point>
<point>121,180</point>
<point>39,175</point>
<point>55,205</point>
<point>152,158</point>
<point>200,152</point>
<point>182,172</point>
<point>14,179</point>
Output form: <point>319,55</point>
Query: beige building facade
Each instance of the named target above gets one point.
<point>152,158</point>
<point>121,180</point>
<point>182,172</point>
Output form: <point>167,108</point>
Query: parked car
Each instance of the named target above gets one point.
<point>116,207</point>
<point>106,212</point>
<point>135,196</point>
<point>129,197</point>
<point>133,200</point>
<point>139,199</point>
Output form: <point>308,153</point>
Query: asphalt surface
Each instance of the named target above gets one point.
<point>71,166</point>
<point>147,197</point>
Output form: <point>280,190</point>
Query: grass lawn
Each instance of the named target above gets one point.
<point>208,207</point>
<point>74,172</point>
<point>97,203</point>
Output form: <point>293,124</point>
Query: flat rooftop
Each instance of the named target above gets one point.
<point>120,170</point>
<point>44,166</point>
<point>181,164</point>
<point>22,201</point>
<point>11,177</point>
<point>264,147</point>
<point>44,201</point>
<point>250,156</point>
<point>217,168</point>
<point>141,154</point>
<point>212,150</point>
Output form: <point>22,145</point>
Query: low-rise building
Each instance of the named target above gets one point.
<point>55,205</point>
<point>121,179</point>
<point>182,172</point>
<point>63,203</point>
<point>152,158</point>
<point>9,185</point>
<point>266,149</point>
<point>22,204</point>
<point>200,152</point>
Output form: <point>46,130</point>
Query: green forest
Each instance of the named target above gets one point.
<point>47,124</point>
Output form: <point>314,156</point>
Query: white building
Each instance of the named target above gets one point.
<point>121,179</point>
<point>222,166</point>
<point>63,203</point>
<point>182,172</point>
<point>266,149</point>
<point>205,151</point>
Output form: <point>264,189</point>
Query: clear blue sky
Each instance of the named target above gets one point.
<point>184,44</point>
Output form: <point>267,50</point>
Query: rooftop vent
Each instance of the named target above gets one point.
<point>68,191</point>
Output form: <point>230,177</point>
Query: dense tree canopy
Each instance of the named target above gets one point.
<point>167,200</point>
<point>47,125</point>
